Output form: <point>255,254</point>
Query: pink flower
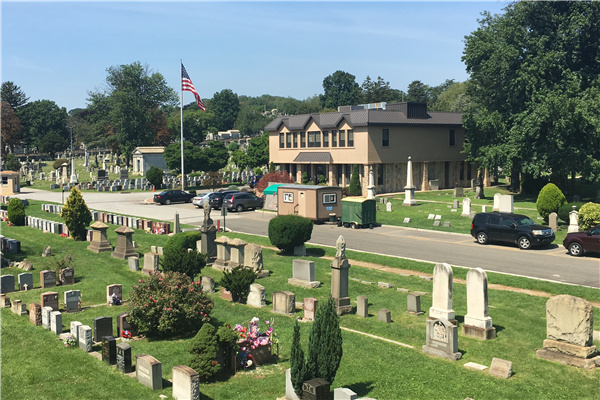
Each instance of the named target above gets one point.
<point>139,280</point>
<point>170,308</point>
<point>191,290</point>
<point>155,301</point>
<point>176,287</point>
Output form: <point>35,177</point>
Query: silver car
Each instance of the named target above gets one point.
<point>201,199</point>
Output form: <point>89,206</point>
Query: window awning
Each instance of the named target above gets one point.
<point>313,157</point>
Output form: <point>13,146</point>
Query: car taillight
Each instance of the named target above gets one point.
<point>472,225</point>
<point>158,195</point>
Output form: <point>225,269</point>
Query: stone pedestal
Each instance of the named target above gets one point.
<point>207,242</point>
<point>99,241</point>
<point>256,297</point>
<point>339,285</point>
<point>236,252</point>
<point>124,247</point>
<point>223,253</point>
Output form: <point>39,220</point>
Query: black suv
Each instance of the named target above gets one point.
<point>242,201</point>
<point>511,228</point>
<point>216,199</point>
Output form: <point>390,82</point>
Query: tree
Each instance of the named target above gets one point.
<point>203,349</point>
<point>187,262</point>
<point>192,157</point>
<point>233,146</point>
<point>251,121</point>
<point>195,124</point>
<point>226,106</point>
<point>418,92</point>
<point>155,176</point>
<point>214,157</point>
<point>16,212</point>
<point>297,362</point>
<point>378,91</point>
<point>550,199</point>
<point>76,214</point>
<point>40,118</point>
<point>129,104</point>
<point>355,189</point>
<point>11,128</point>
<point>340,89</point>
<point>453,99</point>
<point>52,143</point>
<point>272,177</point>
<point>13,95</point>
<point>258,151</point>
<point>11,162</point>
<point>535,90</point>
<point>238,281</point>
<point>240,159</point>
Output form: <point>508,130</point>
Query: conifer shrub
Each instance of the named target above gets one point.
<point>76,214</point>
<point>565,209</point>
<point>297,362</point>
<point>16,212</point>
<point>189,263</point>
<point>589,216</point>
<point>182,241</point>
<point>289,231</point>
<point>155,176</point>
<point>549,200</point>
<point>238,282</point>
<point>168,304</point>
<point>355,189</point>
<point>203,349</point>
<point>58,163</point>
<point>12,163</point>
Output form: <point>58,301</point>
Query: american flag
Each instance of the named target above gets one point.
<point>186,84</point>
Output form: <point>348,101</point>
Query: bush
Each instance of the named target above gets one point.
<point>289,231</point>
<point>169,304</point>
<point>192,191</point>
<point>155,176</point>
<point>12,163</point>
<point>238,282</point>
<point>76,214</point>
<point>589,216</point>
<point>182,241</point>
<point>258,171</point>
<point>305,178</point>
<point>549,200</point>
<point>57,163</point>
<point>565,209</point>
<point>189,263</point>
<point>273,177</point>
<point>16,212</point>
<point>203,348</point>
<point>355,189</point>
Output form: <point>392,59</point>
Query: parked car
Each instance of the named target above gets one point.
<point>173,196</point>
<point>579,243</point>
<point>242,201</point>
<point>254,180</point>
<point>216,199</point>
<point>510,228</point>
<point>201,199</point>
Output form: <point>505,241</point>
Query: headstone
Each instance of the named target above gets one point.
<point>4,301</point>
<point>442,339</point>
<point>253,258</point>
<point>7,283</point>
<point>458,192</point>
<point>406,220</point>
<point>124,247</point>
<point>102,327</point>
<point>75,329</point>
<point>496,206</point>
<point>290,394</point>
<point>478,323</point>
<point>114,290</point>
<point>186,383</point>
<point>150,263</point>
<point>300,251</point>
<point>256,297</point>
<point>573,221</point>
<point>208,284</point>
<point>46,317</point>
<point>501,368</point>
<point>455,203</point>
<point>304,274</point>
<point>85,338</point>
<point>506,203</point>
<point>316,389</point>
<point>553,221</point>
<point>434,184</point>
<point>413,304</point>
<point>466,207</point>
<point>362,306</point>
<point>56,322</point>
<point>134,263</point>
<point>47,279</point>
<point>123,325</point>
<point>284,302</point>
<point>384,315</point>
<point>569,328</point>
<point>442,293</point>
<point>344,394</point>
<point>388,207</point>
<point>50,299</point>
<point>236,252</point>
<point>148,371</point>
<point>310,308</point>
<point>67,276</point>
<point>18,307</point>
<point>72,300</point>
<point>124,358</point>
<point>109,350</point>
<point>207,241</point>
<point>25,281</point>
<point>431,216</point>
<point>226,294</point>
<point>176,225</point>
<point>35,313</point>
<point>339,278</point>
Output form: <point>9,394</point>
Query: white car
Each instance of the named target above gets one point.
<point>200,199</point>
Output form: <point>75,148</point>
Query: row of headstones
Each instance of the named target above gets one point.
<point>46,225</point>
<point>233,252</point>
<point>10,245</point>
<point>47,280</point>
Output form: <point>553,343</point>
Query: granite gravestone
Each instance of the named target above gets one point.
<point>75,329</point>
<point>50,299</point>
<point>7,283</point>
<point>56,322</point>
<point>413,304</point>
<point>442,339</point>
<point>304,274</point>
<point>115,289</point>
<point>123,325</point>
<point>384,315</point>
<point>47,279</point>
<point>85,338</point>
<point>124,358</point>
<point>109,350</point>
<point>310,308</point>
<point>134,263</point>
<point>72,300</point>
<point>35,313</point>
<point>362,306</point>
<point>256,297</point>
<point>67,276</point>
<point>284,302</point>
<point>99,241</point>
<point>208,284</point>
<point>148,371</point>
<point>46,317</point>
<point>25,281</point>
<point>102,327</point>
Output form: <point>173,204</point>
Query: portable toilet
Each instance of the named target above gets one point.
<point>359,212</point>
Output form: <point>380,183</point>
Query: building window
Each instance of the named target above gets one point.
<point>288,197</point>
<point>452,137</point>
<point>302,139</point>
<point>288,140</point>
<point>380,174</point>
<point>295,140</point>
<point>314,139</point>
<point>350,138</point>
<point>342,138</point>
<point>281,140</point>
<point>5,180</point>
<point>334,138</point>
<point>325,138</point>
<point>329,198</point>
<point>385,140</point>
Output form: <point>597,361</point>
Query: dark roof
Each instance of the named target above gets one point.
<point>312,157</point>
<point>365,118</point>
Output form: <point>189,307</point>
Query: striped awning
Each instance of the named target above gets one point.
<point>313,157</point>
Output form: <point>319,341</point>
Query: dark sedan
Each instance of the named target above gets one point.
<point>173,196</point>
<point>242,201</point>
<point>579,243</point>
<point>216,199</point>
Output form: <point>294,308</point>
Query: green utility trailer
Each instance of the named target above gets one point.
<point>358,212</point>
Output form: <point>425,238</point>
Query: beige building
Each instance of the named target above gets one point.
<point>325,146</point>
<point>148,156</point>
<point>11,183</point>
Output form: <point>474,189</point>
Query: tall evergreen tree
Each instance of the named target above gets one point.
<point>297,362</point>
<point>355,189</point>
<point>76,214</point>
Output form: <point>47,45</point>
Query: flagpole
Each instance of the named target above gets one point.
<point>181,109</point>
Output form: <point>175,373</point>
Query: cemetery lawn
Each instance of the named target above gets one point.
<point>35,364</point>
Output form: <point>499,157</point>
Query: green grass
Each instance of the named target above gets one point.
<point>36,365</point>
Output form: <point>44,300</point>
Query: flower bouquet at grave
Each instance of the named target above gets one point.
<point>253,343</point>
<point>115,301</point>
<point>126,334</point>
<point>69,341</point>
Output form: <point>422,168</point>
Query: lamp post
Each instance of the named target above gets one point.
<point>73,174</point>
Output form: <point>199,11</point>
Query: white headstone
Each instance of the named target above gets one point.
<point>442,292</point>
<point>477,299</point>
<point>506,203</point>
<point>573,223</point>
<point>388,206</point>
<point>466,207</point>
<point>496,206</point>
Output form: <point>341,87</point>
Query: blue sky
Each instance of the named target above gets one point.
<point>60,50</point>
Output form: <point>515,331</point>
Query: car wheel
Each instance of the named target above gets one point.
<point>239,208</point>
<point>524,243</point>
<point>167,202</point>
<point>575,249</point>
<point>482,238</point>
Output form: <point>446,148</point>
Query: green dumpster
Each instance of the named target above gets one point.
<point>358,212</point>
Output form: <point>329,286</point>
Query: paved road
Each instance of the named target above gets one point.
<point>552,264</point>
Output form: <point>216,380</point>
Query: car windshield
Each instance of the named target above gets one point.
<point>522,220</point>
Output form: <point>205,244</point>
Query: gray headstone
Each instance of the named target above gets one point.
<point>124,358</point>
<point>46,311</point>
<point>413,304</point>
<point>344,394</point>
<point>384,315</point>
<point>362,306</point>
<point>102,327</point>
<point>85,338</point>
<point>109,350</point>
<point>186,383</point>
<point>26,281</point>
<point>501,368</point>
<point>442,339</point>
<point>56,322</point>
<point>148,371</point>
<point>75,329</point>
<point>208,284</point>
<point>72,299</point>
<point>134,263</point>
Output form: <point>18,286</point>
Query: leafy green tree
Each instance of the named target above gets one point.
<point>76,214</point>
<point>452,99</point>
<point>155,176</point>
<point>418,92</point>
<point>127,107</point>
<point>378,91</point>
<point>233,146</point>
<point>11,128</point>
<point>297,362</point>
<point>195,124</point>
<point>589,216</point>
<point>41,118</point>
<point>535,90</point>
<point>436,91</point>
<point>312,105</point>
<point>258,151</point>
<point>226,106</point>
<point>11,162</point>
<point>52,143</point>
<point>355,189</point>
<point>13,95</point>
<point>250,120</point>
<point>549,200</point>
<point>192,156</point>
<point>240,159</point>
<point>16,212</point>
<point>340,89</point>
<point>187,262</point>
<point>214,156</point>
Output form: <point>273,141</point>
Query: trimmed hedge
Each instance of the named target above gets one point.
<point>289,231</point>
<point>183,241</point>
<point>565,209</point>
<point>589,216</point>
<point>16,212</point>
<point>549,200</point>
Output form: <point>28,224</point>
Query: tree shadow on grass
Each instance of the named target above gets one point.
<point>315,252</point>
<point>362,389</point>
